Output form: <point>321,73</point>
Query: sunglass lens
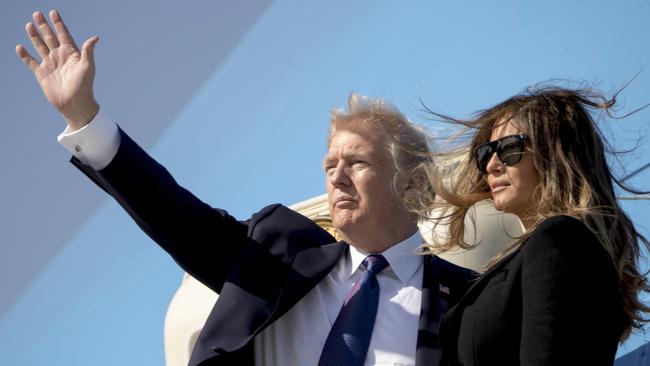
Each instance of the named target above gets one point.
<point>510,151</point>
<point>483,154</point>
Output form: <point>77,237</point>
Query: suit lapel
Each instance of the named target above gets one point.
<point>309,268</point>
<point>230,329</point>
<point>484,278</point>
<point>435,302</point>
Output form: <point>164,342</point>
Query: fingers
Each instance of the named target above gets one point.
<point>31,63</point>
<point>88,50</point>
<point>47,40</point>
<point>62,32</point>
<point>37,41</point>
<point>48,36</point>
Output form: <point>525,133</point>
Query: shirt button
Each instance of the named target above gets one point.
<point>77,148</point>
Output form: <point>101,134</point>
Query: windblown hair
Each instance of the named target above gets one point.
<point>568,151</point>
<point>408,143</point>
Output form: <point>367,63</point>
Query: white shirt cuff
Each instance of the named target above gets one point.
<point>95,144</point>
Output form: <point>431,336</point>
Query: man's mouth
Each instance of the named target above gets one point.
<point>344,202</point>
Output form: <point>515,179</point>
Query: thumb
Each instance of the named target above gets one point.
<point>88,50</point>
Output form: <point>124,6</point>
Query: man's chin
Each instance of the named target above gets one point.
<point>344,225</point>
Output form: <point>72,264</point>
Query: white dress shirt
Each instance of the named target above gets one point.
<point>297,338</point>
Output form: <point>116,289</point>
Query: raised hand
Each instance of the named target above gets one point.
<point>65,74</point>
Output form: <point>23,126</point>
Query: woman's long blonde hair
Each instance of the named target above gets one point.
<point>568,151</point>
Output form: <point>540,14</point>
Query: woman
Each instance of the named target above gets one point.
<point>566,292</point>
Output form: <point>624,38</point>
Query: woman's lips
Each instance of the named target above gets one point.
<point>498,186</point>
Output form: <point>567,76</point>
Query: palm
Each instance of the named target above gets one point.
<point>63,76</point>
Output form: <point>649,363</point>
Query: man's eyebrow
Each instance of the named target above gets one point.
<point>327,160</point>
<point>354,154</point>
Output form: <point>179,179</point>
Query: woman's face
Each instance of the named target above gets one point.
<point>512,185</point>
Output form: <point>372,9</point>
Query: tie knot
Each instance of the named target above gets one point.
<point>375,263</point>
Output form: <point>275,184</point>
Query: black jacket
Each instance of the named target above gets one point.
<point>554,301</point>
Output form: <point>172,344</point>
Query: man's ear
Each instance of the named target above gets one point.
<point>415,185</point>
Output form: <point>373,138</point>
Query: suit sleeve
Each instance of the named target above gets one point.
<point>571,307</point>
<point>203,240</point>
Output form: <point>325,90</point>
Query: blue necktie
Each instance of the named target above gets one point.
<point>347,343</point>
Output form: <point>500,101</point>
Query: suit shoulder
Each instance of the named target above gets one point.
<point>561,231</point>
<point>278,213</point>
<point>451,271</point>
<point>562,224</point>
<point>277,221</point>
<point>564,238</point>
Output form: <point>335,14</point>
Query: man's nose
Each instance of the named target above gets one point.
<point>339,176</point>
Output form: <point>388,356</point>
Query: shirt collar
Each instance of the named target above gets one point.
<point>403,257</point>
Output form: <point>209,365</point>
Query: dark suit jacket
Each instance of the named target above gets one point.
<point>261,267</point>
<point>554,301</point>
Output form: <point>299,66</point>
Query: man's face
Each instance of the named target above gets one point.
<point>359,174</point>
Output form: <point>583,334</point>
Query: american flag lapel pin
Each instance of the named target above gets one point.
<point>443,289</point>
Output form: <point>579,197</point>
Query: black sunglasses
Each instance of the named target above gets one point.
<point>509,149</point>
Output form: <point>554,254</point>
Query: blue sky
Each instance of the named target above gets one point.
<point>234,99</point>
